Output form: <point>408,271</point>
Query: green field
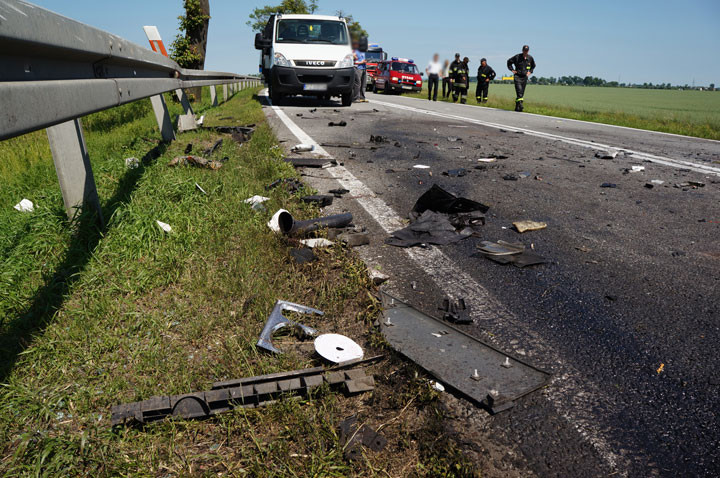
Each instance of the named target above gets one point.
<point>692,113</point>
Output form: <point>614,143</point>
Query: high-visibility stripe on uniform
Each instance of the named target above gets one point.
<point>155,40</point>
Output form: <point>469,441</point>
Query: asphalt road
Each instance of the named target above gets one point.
<point>626,313</point>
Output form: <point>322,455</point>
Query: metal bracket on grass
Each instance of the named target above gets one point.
<point>480,372</point>
<point>277,321</point>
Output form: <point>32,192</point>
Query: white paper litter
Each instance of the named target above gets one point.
<point>320,242</point>
<point>421,166</point>
<point>256,200</point>
<point>486,160</point>
<point>637,169</point>
<point>274,223</point>
<point>299,148</point>
<point>25,205</point>
<point>337,348</point>
<point>163,226</point>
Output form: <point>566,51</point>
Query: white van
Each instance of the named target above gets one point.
<point>307,55</point>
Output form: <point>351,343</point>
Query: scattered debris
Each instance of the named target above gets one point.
<point>455,173</point>
<point>199,188</point>
<point>456,357</point>
<point>286,224</point>
<point>186,123</point>
<point>377,277</point>
<point>317,242</point>
<point>201,120</point>
<point>163,226</point>
<point>188,149</point>
<point>338,193</point>
<point>430,228</point>
<point>240,134</point>
<point>583,249</point>
<point>438,200</point>
<point>524,174</point>
<point>339,123</point>
<point>337,348</point>
<point>354,238</point>
<point>455,311</point>
<point>657,182</point>
<point>25,205</point>
<point>302,255</point>
<point>132,163</point>
<point>249,392</point>
<point>637,169</point>
<point>437,386</point>
<point>378,139</point>
<point>292,185</point>
<point>313,110</point>
<point>302,148</point>
<point>274,222</point>
<point>195,161</point>
<point>486,160</point>
<point>523,226</point>
<point>690,184</point>
<point>211,150</point>
<point>256,202</point>
<point>309,162</point>
<point>321,200</point>
<point>510,177</point>
<point>277,321</point>
<point>421,166</point>
<point>509,253</point>
<point>353,438</point>
<point>649,185</point>
<point>608,185</point>
<point>453,139</point>
<point>606,154</point>
<point>660,368</point>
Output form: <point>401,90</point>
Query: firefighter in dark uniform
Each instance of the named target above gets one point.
<point>460,78</point>
<point>484,76</point>
<point>522,65</point>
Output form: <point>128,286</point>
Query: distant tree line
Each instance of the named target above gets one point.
<point>595,81</point>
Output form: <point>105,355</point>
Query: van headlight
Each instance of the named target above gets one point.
<point>347,62</point>
<point>280,60</point>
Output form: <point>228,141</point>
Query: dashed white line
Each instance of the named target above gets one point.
<point>641,156</point>
<point>453,281</point>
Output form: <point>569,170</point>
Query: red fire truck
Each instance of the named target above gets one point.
<point>397,75</point>
<point>374,55</point>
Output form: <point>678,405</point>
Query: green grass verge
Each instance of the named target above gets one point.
<point>691,113</point>
<point>93,318</point>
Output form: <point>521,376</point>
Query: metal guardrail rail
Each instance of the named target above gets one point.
<point>54,70</point>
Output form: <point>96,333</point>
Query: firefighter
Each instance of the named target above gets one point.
<point>522,65</point>
<point>460,78</point>
<point>484,76</point>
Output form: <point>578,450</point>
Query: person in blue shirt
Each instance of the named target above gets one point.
<point>360,74</point>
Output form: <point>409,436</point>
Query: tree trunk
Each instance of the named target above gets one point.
<point>198,39</point>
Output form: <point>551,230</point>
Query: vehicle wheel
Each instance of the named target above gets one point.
<point>387,90</point>
<point>347,99</point>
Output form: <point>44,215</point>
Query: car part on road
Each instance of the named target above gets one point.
<point>321,200</point>
<point>690,184</point>
<point>430,228</point>
<point>509,253</point>
<point>455,357</point>
<point>608,185</point>
<point>354,238</point>
<point>277,321</point>
<point>302,255</point>
<point>249,392</point>
<point>338,193</point>
<point>510,177</point>
<point>302,148</point>
<point>421,166</point>
<point>339,123</point>
<point>289,226</point>
<point>606,154</point>
<point>453,139</point>
<point>455,173</point>
<point>523,226</point>
<point>436,199</point>
<point>353,438</point>
<point>337,348</point>
<point>309,162</point>
<point>455,311</point>
<point>486,160</point>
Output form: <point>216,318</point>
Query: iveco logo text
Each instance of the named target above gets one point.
<point>316,63</point>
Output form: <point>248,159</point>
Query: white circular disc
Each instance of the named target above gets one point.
<point>337,348</point>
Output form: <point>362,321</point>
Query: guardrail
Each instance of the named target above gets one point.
<point>54,70</point>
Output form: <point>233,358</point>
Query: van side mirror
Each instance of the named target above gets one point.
<point>261,42</point>
<point>363,44</point>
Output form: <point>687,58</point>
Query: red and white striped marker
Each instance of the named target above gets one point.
<point>156,42</point>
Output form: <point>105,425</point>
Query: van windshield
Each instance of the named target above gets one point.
<point>405,67</point>
<point>312,31</point>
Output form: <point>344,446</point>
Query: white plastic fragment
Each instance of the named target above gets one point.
<point>438,386</point>
<point>319,242</point>
<point>163,226</point>
<point>255,200</point>
<point>132,163</point>
<point>274,223</point>
<point>201,120</point>
<point>199,188</point>
<point>25,205</point>
<point>421,166</point>
<point>337,348</point>
<point>486,160</point>
<point>637,169</point>
<point>657,181</point>
<point>300,148</point>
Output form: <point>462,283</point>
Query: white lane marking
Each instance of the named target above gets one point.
<point>638,155</point>
<point>588,123</point>
<point>573,397</point>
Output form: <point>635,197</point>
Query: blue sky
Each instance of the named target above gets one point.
<point>632,40</point>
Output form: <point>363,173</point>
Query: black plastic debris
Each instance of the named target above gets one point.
<point>430,228</point>
<point>690,184</point>
<point>436,199</point>
<point>509,253</point>
<point>301,162</point>
<point>289,226</point>
<point>313,110</point>
<point>188,148</point>
<point>338,193</point>
<point>510,177</point>
<point>455,311</point>
<point>240,134</point>
<point>302,255</point>
<point>462,220</point>
<point>353,438</point>
<point>322,200</point>
<point>608,185</point>
<point>455,173</point>
<point>291,185</point>
<point>339,123</point>
<point>378,139</point>
<point>354,238</point>
<point>211,150</point>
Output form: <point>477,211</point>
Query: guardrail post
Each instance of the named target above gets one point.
<point>213,95</point>
<point>225,92</point>
<point>162,115</point>
<point>72,164</point>
<point>184,101</point>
